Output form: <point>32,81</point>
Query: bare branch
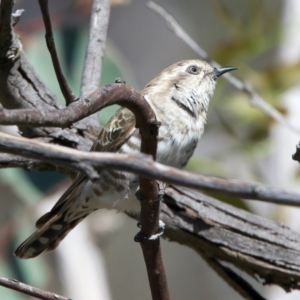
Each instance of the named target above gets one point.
<point>143,166</point>
<point>118,93</point>
<point>266,250</point>
<point>96,47</point>
<point>150,210</point>
<point>255,99</point>
<point>239,284</point>
<point>23,288</point>
<point>64,87</point>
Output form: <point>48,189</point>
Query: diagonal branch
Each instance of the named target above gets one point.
<point>239,284</point>
<point>143,166</point>
<point>96,47</point>
<point>64,87</point>
<point>255,99</point>
<point>23,288</point>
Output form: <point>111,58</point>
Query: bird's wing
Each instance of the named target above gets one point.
<point>115,133</point>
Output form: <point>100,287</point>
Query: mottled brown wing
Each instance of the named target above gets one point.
<point>114,134</point>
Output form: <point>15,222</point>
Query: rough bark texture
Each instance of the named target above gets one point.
<point>266,250</point>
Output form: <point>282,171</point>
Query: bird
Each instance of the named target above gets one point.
<point>179,97</point>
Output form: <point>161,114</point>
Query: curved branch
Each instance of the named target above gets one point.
<point>117,93</point>
<point>141,165</point>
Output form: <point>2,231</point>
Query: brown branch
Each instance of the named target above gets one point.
<point>150,209</point>
<point>255,99</point>
<point>118,93</point>
<point>96,47</point>
<point>64,87</point>
<point>143,166</point>
<point>23,288</point>
<point>239,284</point>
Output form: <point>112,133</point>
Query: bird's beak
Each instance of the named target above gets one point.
<point>217,72</point>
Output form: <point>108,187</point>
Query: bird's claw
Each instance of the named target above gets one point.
<point>119,80</point>
<point>139,237</point>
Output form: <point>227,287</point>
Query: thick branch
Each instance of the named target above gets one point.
<point>23,288</point>
<point>64,87</point>
<point>255,99</point>
<point>264,249</point>
<point>141,165</point>
<point>96,47</point>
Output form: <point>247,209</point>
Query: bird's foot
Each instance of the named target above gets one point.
<point>139,196</point>
<point>139,237</point>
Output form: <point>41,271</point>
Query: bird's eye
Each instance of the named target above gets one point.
<point>193,70</point>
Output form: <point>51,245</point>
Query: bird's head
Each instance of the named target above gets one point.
<point>190,82</point>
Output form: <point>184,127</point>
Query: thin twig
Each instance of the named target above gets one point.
<point>143,166</point>
<point>64,87</point>
<point>239,284</point>
<point>255,99</point>
<point>96,47</point>
<point>23,288</point>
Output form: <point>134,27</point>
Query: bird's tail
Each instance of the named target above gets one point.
<point>51,231</point>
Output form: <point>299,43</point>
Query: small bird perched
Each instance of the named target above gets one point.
<point>179,96</point>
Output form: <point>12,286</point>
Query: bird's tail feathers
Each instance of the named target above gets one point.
<point>48,235</point>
